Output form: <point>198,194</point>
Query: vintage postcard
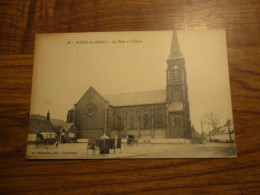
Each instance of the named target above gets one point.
<point>146,94</point>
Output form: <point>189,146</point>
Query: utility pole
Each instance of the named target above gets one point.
<point>209,134</point>
<point>105,121</point>
<point>202,132</point>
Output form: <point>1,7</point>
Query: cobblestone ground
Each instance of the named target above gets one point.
<point>142,150</point>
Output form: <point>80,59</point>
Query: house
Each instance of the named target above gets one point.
<point>68,133</point>
<point>41,125</point>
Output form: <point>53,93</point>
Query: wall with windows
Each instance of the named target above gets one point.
<point>141,116</point>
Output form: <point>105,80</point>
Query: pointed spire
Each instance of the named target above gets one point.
<point>175,47</point>
<point>48,116</point>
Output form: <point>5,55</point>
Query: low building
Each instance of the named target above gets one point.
<point>68,133</point>
<point>41,126</point>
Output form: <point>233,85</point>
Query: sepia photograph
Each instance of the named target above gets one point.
<point>140,94</point>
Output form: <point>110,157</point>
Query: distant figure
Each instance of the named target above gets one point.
<point>130,136</point>
<point>131,140</point>
<point>56,144</point>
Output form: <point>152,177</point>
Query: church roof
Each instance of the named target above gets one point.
<point>137,98</point>
<point>175,47</point>
<point>38,126</point>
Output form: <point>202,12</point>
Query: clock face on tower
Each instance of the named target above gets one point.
<point>91,109</point>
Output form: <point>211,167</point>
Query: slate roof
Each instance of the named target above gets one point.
<point>57,128</point>
<point>137,98</point>
<point>54,122</point>
<point>38,126</point>
<point>67,126</point>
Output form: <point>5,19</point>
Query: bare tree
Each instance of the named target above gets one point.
<point>212,119</point>
<point>228,123</point>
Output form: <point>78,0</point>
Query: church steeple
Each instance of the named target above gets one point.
<point>177,93</point>
<point>48,116</point>
<point>176,73</point>
<point>175,47</point>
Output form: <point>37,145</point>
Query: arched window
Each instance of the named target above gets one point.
<point>119,122</point>
<point>131,121</point>
<point>159,119</point>
<point>145,117</point>
<point>176,75</point>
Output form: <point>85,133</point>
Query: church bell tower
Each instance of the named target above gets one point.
<point>177,93</point>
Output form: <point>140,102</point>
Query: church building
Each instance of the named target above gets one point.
<point>149,114</point>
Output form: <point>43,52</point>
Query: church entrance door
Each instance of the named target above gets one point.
<point>176,128</point>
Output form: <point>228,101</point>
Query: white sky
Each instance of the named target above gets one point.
<point>63,72</point>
